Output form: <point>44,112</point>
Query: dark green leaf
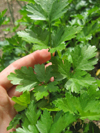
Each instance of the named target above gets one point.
<point>14,123</point>
<point>28,81</point>
<point>43,74</point>
<point>65,34</point>
<point>61,69</point>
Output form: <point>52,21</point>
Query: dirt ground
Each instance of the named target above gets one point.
<point>15,6</point>
<point>4,4</point>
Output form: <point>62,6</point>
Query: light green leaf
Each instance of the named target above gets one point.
<point>84,57</point>
<point>2,17</point>
<point>98,82</point>
<point>48,10</point>
<point>66,104</point>
<point>40,47</point>
<point>36,36</point>
<point>32,113</point>
<point>36,12</point>
<point>78,80</point>
<point>24,99</point>
<point>21,102</point>
<point>81,4</point>
<point>43,74</point>
<point>30,1</point>
<point>84,106</point>
<point>65,34</point>
<point>58,9</point>
<point>19,107</point>
<point>40,92</point>
<point>44,124</point>
<point>58,48</point>
<point>30,129</point>
<point>61,122</point>
<point>43,90</point>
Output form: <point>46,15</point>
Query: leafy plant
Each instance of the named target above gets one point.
<point>61,106</point>
<point>2,16</point>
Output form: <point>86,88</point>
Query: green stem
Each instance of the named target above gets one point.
<point>19,3</point>
<point>11,11</point>
<point>50,34</point>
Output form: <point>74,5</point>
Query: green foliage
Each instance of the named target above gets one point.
<point>71,30</point>
<point>91,127</point>
<point>14,122</point>
<point>26,82</point>
<point>83,57</point>
<point>47,10</point>
<point>32,123</point>
<point>38,36</point>
<point>22,101</point>
<point>43,74</point>
<point>43,91</point>
<point>2,17</point>
<point>82,106</point>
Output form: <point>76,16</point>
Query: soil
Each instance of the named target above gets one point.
<point>14,5</point>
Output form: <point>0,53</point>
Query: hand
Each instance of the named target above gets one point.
<point>7,90</point>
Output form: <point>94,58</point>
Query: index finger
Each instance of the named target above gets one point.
<point>37,57</point>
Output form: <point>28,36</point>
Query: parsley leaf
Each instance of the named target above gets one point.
<point>43,74</point>
<point>65,34</point>
<point>84,106</point>
<point>32,113</point>
<point>44,124</point>
<point>33,124</point>
<point>43,91</point>
<point>79,80</point>
<point>36,36</point>
<point>47,10</point>
<point>22,101</point>
<point>88,30</point>
<point>61,121</point>
<point>27,82</point>
<point>61,69</point>
<point>83,57</point>
<point>14,122</point>
<point>29,119</point>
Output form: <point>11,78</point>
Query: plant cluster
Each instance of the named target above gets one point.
<point>71,30</point>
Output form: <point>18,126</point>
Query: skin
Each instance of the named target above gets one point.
<point>7,90</point>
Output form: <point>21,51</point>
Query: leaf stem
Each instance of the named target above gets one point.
<point>50,34</point>
<point>11,10</point>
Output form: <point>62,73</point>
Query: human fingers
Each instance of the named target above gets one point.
<point>37,57</point>
<point>7,111</point>
<point>12,92</point>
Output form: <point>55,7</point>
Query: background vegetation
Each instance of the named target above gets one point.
<point>71,31</point>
